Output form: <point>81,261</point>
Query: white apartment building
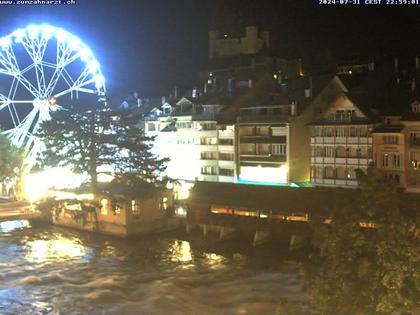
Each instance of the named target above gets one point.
<point>198,147</point>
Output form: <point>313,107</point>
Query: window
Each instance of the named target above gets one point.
<point>391,160</point>
<point>415,138</point>
<point>390,139</point>
<point>329,152</point>
<point>208,141</point>
<point>163,204</point>
<point>208,126</point>
<point>116,207</point>
<point>226,172</point>
<point>209,170</point>
<point>262,131</point>
<point>247,149</point>
<point>226,141</point>
<point>340,131</point>
<point>135,208</point>
<point>226,156</point>
<point>263,149</point>
<point>183,125</point>
<point>351,173</point>
<point>209,155</point>
<point>341,173</point>
<point>396,160</point>
<point>329,172</point>
<point>385,161</point>
<point>151,127</point>
<point>278,149</point>
<point>104,206</point>
<point>412,156</point>
<point>341,152</point>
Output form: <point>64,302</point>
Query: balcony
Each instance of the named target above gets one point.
<point>263,118</point>
<point>359,161</point>
<point>341,140</point>
<point>263,158</point>
<point>262,139</point>
<point>334,182</point>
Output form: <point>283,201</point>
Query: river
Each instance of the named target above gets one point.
<point>52,270</point>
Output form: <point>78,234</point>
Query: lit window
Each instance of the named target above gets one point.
<point>135,208</point>
<point>163,204</point>
<point>104,206</point>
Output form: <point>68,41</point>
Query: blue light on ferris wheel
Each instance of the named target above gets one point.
<point>19,35</point>
<point>5,42</point>
<point>40,42</point>
<point>33,31</point>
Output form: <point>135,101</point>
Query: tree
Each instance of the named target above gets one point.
<point>98,141</point>
<point>368,270</point>
<point>11,161</point>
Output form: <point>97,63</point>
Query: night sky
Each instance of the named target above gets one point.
<point>149,46</point>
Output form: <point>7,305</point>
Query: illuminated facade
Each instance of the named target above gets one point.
<point>396,145</point>
<point>263,144</point>
<point>198,146</point>
<point>341,143</point>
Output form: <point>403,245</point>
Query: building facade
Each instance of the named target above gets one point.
<point>262,144</point>
<point>199,148</point>
<point>396,145</point>
<point>341,144</point>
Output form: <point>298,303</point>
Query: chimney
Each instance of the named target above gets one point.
<point>163,100</point>
<point>311,86</point>
<point>175,92</point>
<point>396,64</point>
<point>293,109</point>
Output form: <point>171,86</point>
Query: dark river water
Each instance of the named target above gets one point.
<point>51,270</point>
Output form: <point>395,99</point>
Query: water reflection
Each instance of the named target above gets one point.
<point>57,250</point>
<point>10,226</point>
<point>181,252</point>
<point>214,261</point>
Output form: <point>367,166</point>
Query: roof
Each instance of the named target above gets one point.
<point>276,199</point>
<point>141,191</point>
<point>410,116</point>
<point>384,128</point>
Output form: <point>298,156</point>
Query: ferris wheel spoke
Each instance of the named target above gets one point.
<point>75,88</point>
<point>7,60</point>
<point>79,82</point>
<point>28,85</point>
<point>31,66</point>
<point>67,78</point>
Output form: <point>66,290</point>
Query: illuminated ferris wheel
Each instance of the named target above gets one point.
<point>42,69</point>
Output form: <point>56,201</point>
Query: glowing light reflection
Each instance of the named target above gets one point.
<point>56,250</point>
<point>181,252</point>
<point>10,226</point>
<point>214,261</point>
<point>37,185</point>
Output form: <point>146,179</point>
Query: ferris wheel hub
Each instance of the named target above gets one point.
<point>40,103</point>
